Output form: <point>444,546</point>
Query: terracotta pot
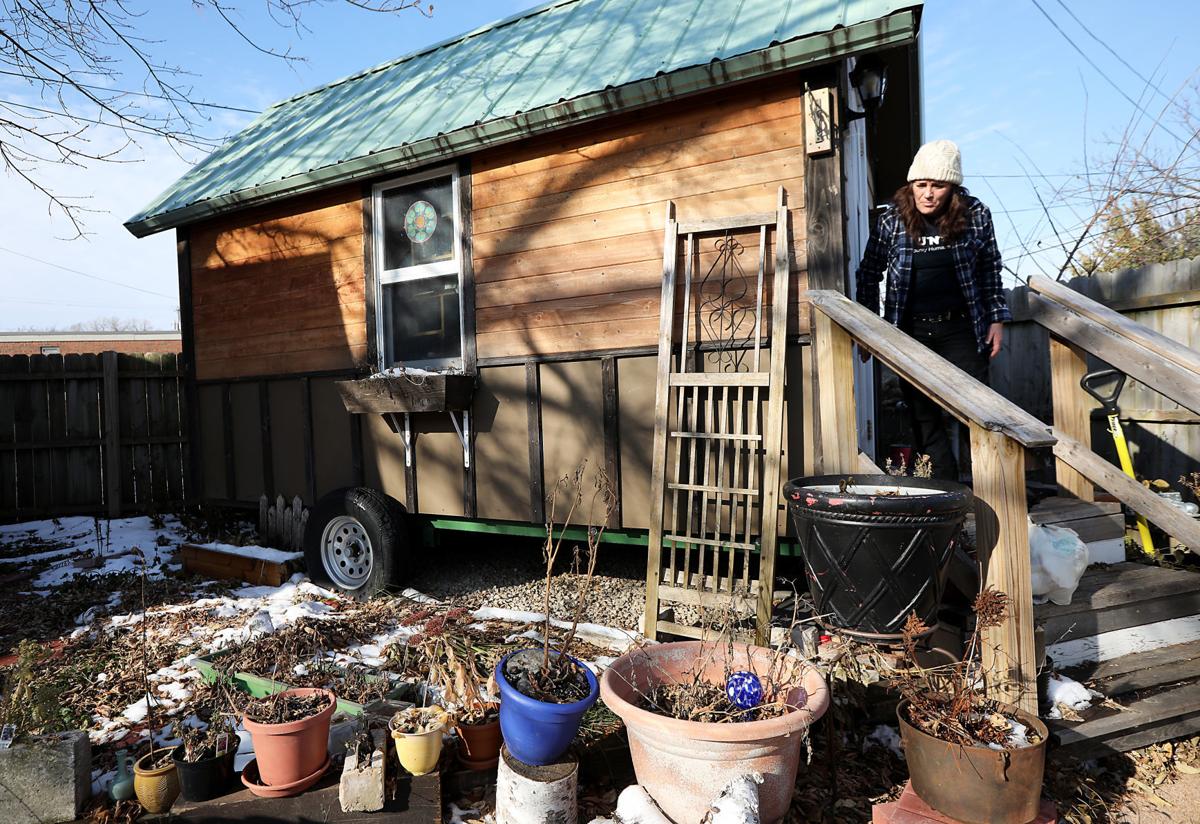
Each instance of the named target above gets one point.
<point>976,785</point>
<point>684,765</point>
<point>480,745</point>
<point>156,789</point>
<point>287,753</point>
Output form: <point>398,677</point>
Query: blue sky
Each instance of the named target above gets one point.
<point>998,79</point>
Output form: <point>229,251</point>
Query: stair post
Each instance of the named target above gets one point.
<point>1002,540</point>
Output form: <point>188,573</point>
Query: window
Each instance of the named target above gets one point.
<point>418,260</point>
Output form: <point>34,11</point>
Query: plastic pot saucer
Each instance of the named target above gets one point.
<point>252,781</point>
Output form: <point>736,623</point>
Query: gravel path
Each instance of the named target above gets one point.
<point>512,576</point>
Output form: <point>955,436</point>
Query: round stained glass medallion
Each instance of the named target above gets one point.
<point>420,221</point>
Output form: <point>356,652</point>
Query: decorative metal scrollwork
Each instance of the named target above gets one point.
<point>726,317</point>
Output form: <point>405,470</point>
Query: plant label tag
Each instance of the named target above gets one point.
<point>223,744</point>
<point>7,734</point>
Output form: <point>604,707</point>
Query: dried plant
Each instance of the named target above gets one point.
<point>952,702</point>
<point>557,670</point>
<point>214,740</point>
<point>923,467</point>
<point>467,685</point>
<point>1191,482</point>
<point>899,470</point>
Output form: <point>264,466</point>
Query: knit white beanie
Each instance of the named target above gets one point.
<point>937,160</point>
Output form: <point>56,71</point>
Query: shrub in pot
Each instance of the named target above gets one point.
<point>468,691</point>
<point>545,692</point>
<point>290,731</point>
<point>684,757</point>
<point>204,760</point>
<point>970,757</point>
<point>542,705</point>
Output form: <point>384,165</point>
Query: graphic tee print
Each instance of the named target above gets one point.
<point>935,286</point>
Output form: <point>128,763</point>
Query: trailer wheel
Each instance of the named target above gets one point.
<point>356,541</point>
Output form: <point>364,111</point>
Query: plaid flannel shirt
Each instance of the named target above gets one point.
<point>976,263</point>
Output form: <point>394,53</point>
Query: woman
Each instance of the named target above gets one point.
<point>936,244</point>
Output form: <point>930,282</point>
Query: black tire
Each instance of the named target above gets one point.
<point>367,539</point>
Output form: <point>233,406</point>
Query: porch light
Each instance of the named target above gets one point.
<point>869,79</point>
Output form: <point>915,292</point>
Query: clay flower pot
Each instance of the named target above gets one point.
<point>977,785</point>
<point>419,751</point>
<point>288,753</point>
<point>538,732</point>
<point>684,765</point>
<point>156,789</point>
<point>480,745</point>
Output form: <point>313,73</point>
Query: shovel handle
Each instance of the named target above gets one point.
<point>1090,381</point>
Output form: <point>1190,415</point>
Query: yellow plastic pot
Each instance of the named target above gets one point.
<point>156,789</point>
<point>419,752</point>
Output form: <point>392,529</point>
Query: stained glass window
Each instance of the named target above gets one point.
<point>419,311</point>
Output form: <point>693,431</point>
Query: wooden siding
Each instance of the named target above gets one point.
<point>568,231</point>
<point>281,289</point>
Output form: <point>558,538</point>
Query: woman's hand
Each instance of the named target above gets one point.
<point>995,336</point>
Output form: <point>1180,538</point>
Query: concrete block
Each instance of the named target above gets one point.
<point>46,780</point>
<point>364,777</point>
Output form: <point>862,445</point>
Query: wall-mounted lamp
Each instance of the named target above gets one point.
<point>869,79</point>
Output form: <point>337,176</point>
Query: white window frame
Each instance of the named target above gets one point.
<point>420,271</point>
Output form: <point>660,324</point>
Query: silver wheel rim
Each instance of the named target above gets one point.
<point>346,552</point>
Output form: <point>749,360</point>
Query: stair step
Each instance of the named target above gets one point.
<point>1159,717</point>
<point>1119,597</point>
<point>1140,670</point>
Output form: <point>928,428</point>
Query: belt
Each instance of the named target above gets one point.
<point>940,317</point>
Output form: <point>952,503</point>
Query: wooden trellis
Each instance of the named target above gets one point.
<point>718,423</point>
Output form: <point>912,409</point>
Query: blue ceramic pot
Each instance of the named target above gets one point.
<point>538,732</point>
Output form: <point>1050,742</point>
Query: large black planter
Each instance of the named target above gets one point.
<point>877,552</point>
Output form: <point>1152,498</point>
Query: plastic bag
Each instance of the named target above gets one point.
<point>1057,561</point>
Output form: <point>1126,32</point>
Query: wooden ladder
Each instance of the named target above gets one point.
<point>718,425</point>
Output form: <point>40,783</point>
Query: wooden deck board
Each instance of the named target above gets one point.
<point>1121,596</point>
<point>1165,665</point>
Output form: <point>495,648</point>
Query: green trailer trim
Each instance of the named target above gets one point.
<point>431,525</point>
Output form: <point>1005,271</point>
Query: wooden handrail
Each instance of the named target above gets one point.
<point>1087,463</point>
<point>1145,365</point>
<point>959,393</point>
<point>1000,432</point>
<point>1138,333</point>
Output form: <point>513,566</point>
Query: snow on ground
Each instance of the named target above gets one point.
<point>118,544</point>
<point>254,611</point>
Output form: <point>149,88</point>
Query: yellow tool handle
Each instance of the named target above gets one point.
<point>1114,426</point>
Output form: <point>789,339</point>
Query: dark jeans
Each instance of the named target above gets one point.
<point>954,340</point>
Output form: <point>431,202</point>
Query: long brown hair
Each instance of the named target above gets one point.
<point>951,223</point>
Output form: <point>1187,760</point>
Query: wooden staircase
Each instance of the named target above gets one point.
<point>1159,688</point>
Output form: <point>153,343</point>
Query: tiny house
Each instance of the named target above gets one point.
<point>485,219</point>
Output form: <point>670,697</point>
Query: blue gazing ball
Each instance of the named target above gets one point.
<point>744,689</point>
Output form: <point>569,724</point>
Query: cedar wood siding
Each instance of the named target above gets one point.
<point>281,289</point>
<point>567,230</point>
<point>567,251</point>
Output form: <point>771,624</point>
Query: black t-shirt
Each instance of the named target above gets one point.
<point>934,286</point>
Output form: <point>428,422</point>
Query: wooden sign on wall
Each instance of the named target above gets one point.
<point>818,121</point>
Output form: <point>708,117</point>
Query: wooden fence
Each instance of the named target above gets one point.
<point>1164,437</point>
<point>98,434</point>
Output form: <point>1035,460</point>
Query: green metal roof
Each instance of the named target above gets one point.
<point>561,63</point>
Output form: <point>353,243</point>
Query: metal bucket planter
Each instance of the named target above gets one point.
<point>684,765</point>
<point>977,785</point>
<point>877,550</point>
